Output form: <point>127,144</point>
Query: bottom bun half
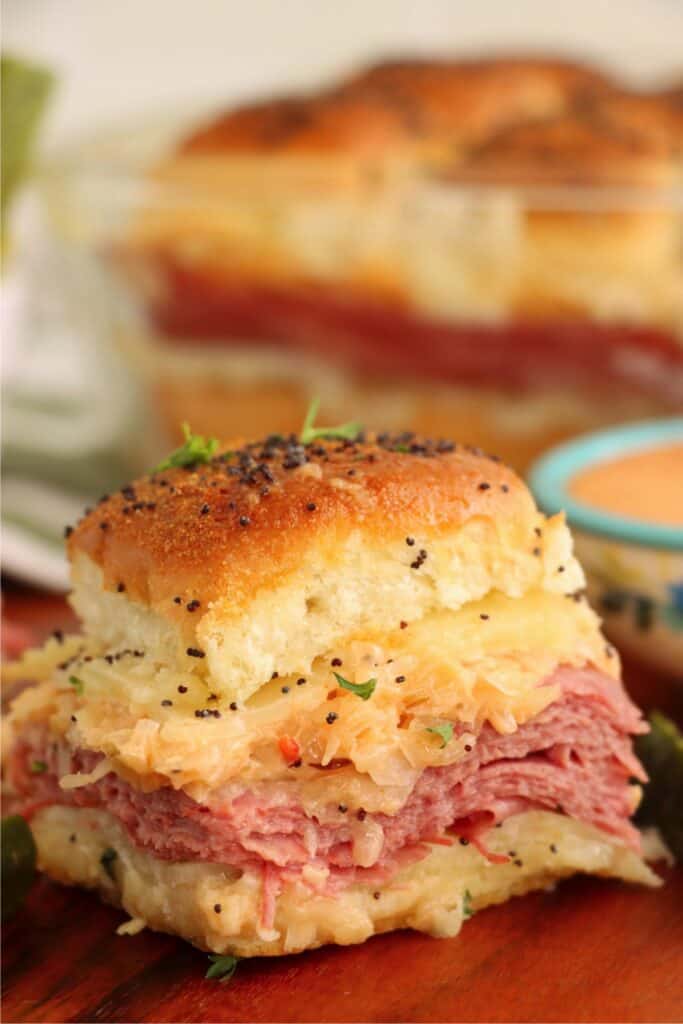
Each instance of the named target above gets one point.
<point>218,908</point>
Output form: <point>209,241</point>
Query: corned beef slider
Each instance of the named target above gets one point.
<point>325,690</point>
<point>486,248</point>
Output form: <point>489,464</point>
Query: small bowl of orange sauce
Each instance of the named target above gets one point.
<point>622,492</point>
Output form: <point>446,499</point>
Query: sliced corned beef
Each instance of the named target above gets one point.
<point>575,757</point>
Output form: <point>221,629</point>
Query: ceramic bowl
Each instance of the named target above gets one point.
<point>634,568</point>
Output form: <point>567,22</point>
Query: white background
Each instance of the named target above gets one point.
<point>116,57</point>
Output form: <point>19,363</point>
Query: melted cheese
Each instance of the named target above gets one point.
<point>427,895</point>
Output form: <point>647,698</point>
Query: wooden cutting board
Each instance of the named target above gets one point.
<point>589,951</point>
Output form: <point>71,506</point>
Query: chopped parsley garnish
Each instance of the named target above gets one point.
<point>77,684</point>
<point>467,911</point>
<point>196,449</point>
<point>107,861</point>
<point>38,767</point>
<point>222,967</point>
<point>363,690</point>
<point>444,730</point>
<point>310,433</point>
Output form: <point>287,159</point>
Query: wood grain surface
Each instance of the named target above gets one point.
<point>589,951</point>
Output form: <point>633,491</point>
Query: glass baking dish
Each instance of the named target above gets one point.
<point>505,315</point>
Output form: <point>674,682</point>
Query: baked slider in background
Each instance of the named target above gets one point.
<point>482,248</point>
<point>327,686</point>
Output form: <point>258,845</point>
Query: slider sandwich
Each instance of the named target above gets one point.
<point>326,687</point>
<point>487,248</point>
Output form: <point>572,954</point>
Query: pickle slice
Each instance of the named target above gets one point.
<point>18,863</point>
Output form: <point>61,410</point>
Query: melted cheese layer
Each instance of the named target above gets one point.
<point>428,896</point>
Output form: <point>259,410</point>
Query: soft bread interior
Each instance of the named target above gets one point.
<point>347,589</point>
<point>429,896</point>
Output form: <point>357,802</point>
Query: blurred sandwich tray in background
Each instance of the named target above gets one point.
<point>488,250</point>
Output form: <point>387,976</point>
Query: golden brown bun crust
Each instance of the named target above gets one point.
<point>657,116</point>
<point>405,103</point>
<point>576,149</point>
<point>298,125</point>
<point>244,520</point>
<point>439,109</point>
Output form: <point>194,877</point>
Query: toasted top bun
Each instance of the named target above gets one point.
<point>417,109</point>
<point>404,106</point>
<point>275,552</point>
<point>466,191</point>
<point>577,149</point>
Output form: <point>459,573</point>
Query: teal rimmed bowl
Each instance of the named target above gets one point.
<point>634,568</point>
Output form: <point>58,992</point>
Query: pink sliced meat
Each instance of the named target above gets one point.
<point>574,758</point>
<point>387,339</point>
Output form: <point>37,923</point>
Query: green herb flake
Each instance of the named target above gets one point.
<point>196,449</point>
<point>38,767</point>
<point>467,911</point>
<point>661,751</point>
<point>363,690</point>
<point>222,968</point>
<point>444,730</point>
<point>310,433</point>
<point>77,684</point>
<point>107,861</point>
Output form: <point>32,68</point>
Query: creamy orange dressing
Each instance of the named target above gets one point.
<point>646,485</point>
